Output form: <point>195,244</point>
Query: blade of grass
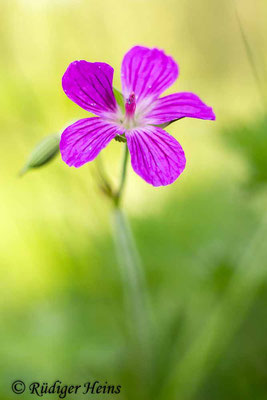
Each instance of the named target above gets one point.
<point>224,321</point>
<point>251,59</point>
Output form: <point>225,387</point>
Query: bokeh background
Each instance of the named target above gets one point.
<point>202,240</point>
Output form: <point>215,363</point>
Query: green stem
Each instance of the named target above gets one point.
<point>251,59</point>
<point>133,277</point>
<point>117,196</point>
<point>103,181</point>
<point>134,287</point>
<point>129,260</point>
<point>135,302</point>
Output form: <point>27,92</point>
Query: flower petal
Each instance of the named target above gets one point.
<point>90,86</point>
<point>82,141</point>
<point>176,106</point>
<point>155,155</point>
<point>147,72</point>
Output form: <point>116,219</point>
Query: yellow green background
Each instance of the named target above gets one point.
<point>202,240</point>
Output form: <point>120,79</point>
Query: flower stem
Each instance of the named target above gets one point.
<point>133,279</point>
<point>117,196</point>
<point>132,273</point>
<point>137,316</point>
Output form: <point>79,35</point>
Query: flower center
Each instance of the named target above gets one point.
<point>132,117</point>
<point>130,106</point>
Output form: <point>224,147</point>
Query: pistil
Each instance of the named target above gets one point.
<point>130,106</point>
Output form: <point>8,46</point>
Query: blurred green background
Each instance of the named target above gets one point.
<point>202,240</point>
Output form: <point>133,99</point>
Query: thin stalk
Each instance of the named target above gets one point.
<point>117,197</point>
<point>134,286</point>
<point>250,58</point>
<point>133,278</point>
<point>224,321</point>
<point>104,182</point>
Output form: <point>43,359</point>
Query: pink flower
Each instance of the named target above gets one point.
<point>145,74</point>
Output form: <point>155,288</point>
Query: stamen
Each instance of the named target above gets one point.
<point>130,105</point>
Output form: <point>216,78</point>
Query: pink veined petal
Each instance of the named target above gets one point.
<point>176,106</point>
<point>82,141</point>
<point>155,155</point>
<point>90,86</point>
<point>147,72</point>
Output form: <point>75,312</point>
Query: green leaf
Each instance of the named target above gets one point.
<point>43,152</point>
<point>119,99</point>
